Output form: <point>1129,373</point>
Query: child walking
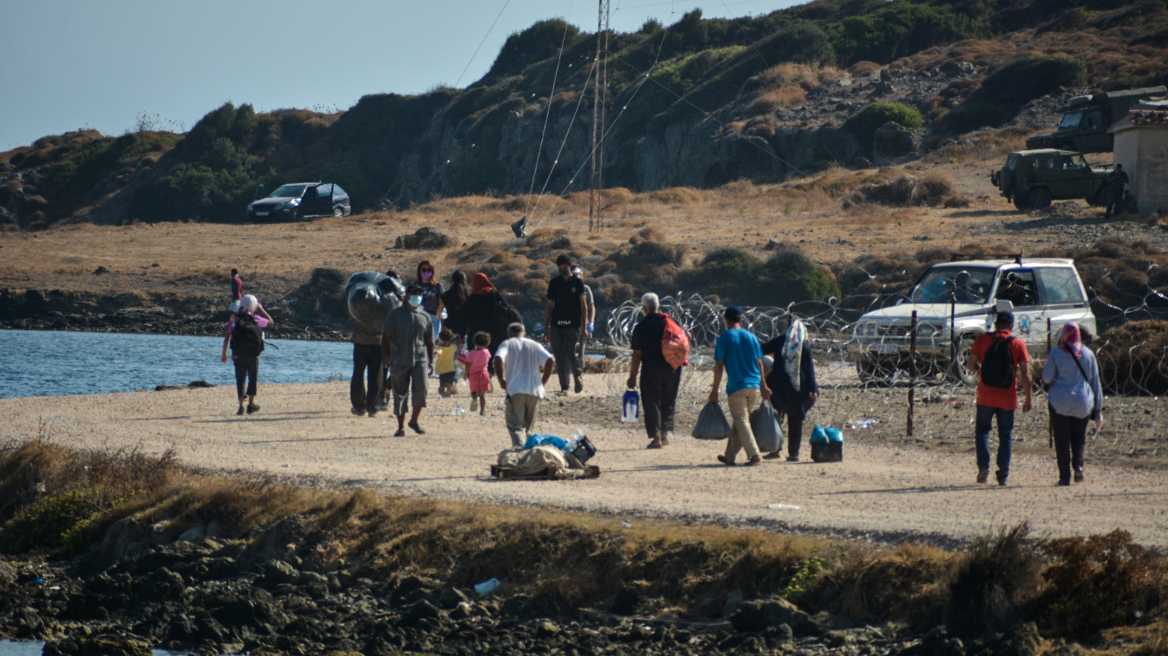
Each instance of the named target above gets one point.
<point>444,366</point>
<point>476,361</point>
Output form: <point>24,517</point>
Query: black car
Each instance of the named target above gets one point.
<point>292,202</point>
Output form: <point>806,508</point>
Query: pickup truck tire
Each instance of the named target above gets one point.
<point>1020,202</point>
<point>1039,198</point>
<point>958,371</point>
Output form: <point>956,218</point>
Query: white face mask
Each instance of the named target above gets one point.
<point>416,300</point>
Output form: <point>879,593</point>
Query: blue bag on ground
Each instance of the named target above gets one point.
<point>631,406</point>
<point>827,444</point>
<point>765,426</point>
<point>535,440</point>
<point>711,424</point>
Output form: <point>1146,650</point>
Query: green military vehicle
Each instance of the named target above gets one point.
<point>1086,120</point>
<point>1033,178</point>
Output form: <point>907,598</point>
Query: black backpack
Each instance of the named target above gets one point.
<point>247,339</point>
<point>505,315</point>
<point>997,368</point>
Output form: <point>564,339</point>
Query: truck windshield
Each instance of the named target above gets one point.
<point>289,191</point>
<point>950,283</point>
<point>1071,120</point>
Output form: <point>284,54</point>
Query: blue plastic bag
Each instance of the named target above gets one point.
<point>535,440</point>
<point>827,434</point>
<point>631,406</point>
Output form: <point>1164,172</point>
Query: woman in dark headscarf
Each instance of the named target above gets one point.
<point>480,310</point>
<point>792,382</point>
<point>453,301</point>
<point>1075,396</point>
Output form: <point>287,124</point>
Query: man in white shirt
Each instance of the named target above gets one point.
<point>518,362</point>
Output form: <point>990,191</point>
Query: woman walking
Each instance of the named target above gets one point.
<point>431,294</point>
<point>481,308</point>
<point>245,335</point>
<point>792,381</point>
<point>1075,395</point>
<point>453,301</point>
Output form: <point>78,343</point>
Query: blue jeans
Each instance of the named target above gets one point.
<point>985,415</point>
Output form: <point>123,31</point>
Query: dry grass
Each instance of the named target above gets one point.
<point>570,560</point>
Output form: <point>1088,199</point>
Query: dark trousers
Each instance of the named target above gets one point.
<point>794,435</point>
<point>981,429</point>
<point>1070,441</point>
<point>564,348</point>
<point>246,369</point>
<point>366,367</point>
<point>659,383</point>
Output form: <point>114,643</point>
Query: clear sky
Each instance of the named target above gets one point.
<point>103,64</point>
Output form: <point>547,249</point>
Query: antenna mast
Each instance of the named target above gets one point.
<point>600,67</point>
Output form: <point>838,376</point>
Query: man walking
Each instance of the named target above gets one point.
<point>367,358</point>
<point>518,364</point>
<point>1116,182</point>
<point>407,347</point>
<point>589,320</point>
<point>563,322</point>
<point>659,380</point>
<point>738,353</point>
<point>236,291</point>
<point>1001,361</point>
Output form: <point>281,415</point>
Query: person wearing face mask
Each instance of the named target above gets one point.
<point>407,346</point>
<point>563,322</point>
<point>432,290</point>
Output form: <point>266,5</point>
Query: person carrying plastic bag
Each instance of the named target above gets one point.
<point>660,379</point>
<point>738,354</point>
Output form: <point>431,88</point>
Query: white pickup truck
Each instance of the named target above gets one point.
<point>957,301</point>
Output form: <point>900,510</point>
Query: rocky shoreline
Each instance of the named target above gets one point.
<point>277,594</point>
<point>34,309</point>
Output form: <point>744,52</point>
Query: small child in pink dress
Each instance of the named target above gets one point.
<point>476,361</point>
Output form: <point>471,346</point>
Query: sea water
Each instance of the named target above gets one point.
<point>54,363</point>
<point>36,647</point>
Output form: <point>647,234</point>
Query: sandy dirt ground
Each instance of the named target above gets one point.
<point>883,490</point>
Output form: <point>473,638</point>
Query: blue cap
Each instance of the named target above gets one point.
<point>732,313</point>
<point>1004,319</point>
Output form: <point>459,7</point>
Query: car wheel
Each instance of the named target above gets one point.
<point>296,216</point>
<point>339,212</point>
<point>958,371</point>
<point>1020,202</point>
<point>1039,198</point>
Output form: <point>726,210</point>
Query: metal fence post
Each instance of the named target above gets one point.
<point>912,369</point>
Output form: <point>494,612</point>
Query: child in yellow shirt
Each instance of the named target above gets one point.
<point>444,366</point>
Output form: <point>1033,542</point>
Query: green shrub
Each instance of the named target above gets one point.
<point>1005,91</point>
<point>736,276</point>
<point>44,524</point>
<point>864,123</point>
<point>538,42</point>
<point>899,30</point>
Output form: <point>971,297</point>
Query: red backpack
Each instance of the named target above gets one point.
<point>674,344</point>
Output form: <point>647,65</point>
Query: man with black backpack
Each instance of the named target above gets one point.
<point>1002,361</point>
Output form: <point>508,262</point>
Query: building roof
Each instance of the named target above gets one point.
<point>1139,118</point>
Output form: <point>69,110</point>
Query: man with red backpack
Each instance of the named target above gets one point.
<point>658,353</point>
<point>1001,361</point>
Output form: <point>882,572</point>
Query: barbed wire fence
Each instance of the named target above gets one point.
<point>891,387</point>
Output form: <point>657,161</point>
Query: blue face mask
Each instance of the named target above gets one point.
<point>416,300</point>
<point>565,272</point>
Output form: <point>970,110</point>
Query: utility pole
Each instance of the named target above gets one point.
<point>600,69</point>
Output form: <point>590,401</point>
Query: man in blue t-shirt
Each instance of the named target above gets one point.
<point>737,352</point>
